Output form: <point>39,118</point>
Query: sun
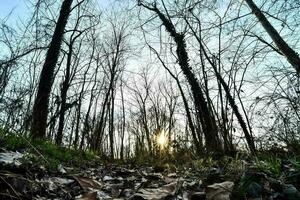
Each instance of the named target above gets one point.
<point>162,139</point>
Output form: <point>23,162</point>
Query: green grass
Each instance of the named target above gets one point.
<point>269,164</point>
<point>12,141</point>
<point>295,163</point>
<point>43,152</point>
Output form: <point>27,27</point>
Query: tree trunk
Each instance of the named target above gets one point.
<point>111,124</point>
<point>196,140</point>
<point>123,124</point>
<point>208,122</point>
<point>100,124</point>
<point>230,98</point>
<point>40,108</point>
<point>289,53</point>
<point>80,98</point>
<point>64,91</point>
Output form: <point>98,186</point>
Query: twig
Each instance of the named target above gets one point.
<point>9,185</point>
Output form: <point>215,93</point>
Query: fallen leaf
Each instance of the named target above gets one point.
<point>219,191</point>
<point>157,193</point>
<point>54,182</point>
<point>198,196</point>
<point>107,178</point>
<point>87,183</point>
<point>11,158</point>
<point>61,169</point>
<point>88,196</point>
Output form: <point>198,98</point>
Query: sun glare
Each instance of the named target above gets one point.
<point>162,139</point>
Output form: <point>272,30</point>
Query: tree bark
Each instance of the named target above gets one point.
<point>40,108</point>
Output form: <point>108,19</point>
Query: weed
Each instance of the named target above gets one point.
<point>12,141</point>
<point>295,163</point>
<point>271,165</point>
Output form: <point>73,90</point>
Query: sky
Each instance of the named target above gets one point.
<point>18,8</point>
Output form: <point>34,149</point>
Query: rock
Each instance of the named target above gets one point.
<point>290,192</point>
<point>254,190</point>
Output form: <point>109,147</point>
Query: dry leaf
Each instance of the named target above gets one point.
<point>157,193</point>
<point>219,191</point>
<point>87,183</point>
<point>89,196</point>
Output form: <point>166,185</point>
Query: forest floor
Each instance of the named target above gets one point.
<point>43,171</point>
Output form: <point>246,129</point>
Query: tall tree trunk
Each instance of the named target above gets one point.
<point>40,108</point>
<point>71,133</point>
<point>289,53</point>
<point>196,140</point>
<point>80,98</point>
<point>123,123</point>
<point>146,127</point>
<point>100,124</point>
<point>111,124</point>
<point>230,98</point>
<point>237,113</point>
<point>86,125</point>
<point>209,127</point>
<point>64,91</point>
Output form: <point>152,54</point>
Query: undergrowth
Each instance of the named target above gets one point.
<point>43,152</point>
<point>48,154</point>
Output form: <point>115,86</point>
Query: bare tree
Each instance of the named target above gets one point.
<point>208,123</point>
<point>231,100</point>
<point>115,49</point>
<point>77,32</point>
<point>283,47</point>
<point>40,108</point>
<point>196,139</point>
